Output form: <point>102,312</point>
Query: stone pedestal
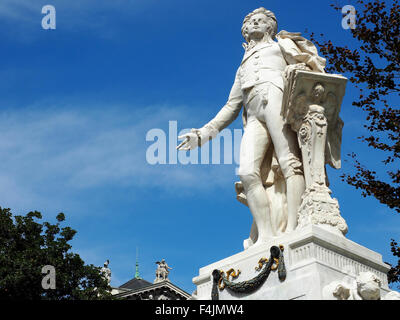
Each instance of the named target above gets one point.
<point>314,257</point>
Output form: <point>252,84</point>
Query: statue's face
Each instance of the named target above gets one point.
<point>257,26</point>
<point>318,93</point>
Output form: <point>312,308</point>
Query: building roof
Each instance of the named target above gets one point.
<point>140,289</point>
<point>165,288</point>
<point>135,283</point>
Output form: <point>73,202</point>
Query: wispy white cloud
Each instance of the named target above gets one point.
<point>20,10</point>
<point>52,154</point>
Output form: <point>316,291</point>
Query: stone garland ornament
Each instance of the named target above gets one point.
<point>275,262</point>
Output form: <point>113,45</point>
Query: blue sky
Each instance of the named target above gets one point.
<point>76,104</point>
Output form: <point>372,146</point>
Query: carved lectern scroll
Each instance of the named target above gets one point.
<point>311,107</point>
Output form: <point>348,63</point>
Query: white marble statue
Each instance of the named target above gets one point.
<point>162,271</point>
<point>271,171</point>
<point>105,270</point>
<point>366,286</point>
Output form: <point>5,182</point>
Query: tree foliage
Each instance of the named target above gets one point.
<point>373,66</point>
<point>394,273</point>
<point>26,245</point>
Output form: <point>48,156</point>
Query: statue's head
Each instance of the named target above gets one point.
<point>258,24</point>
<point>106,263</point>
<point>368,286</point>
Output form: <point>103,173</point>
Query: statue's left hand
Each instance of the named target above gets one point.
<point>291,67</point>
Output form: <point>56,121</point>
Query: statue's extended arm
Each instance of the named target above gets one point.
<point>228,113</point>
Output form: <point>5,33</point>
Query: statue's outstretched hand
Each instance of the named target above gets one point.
<point>190,142</point>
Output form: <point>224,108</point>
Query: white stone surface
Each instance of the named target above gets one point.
<point>292,129</point>
<point>106,271</point>
<point>366,286</point>
<point>314,258</point>
<point>162,271</point>
<point>258,90</point>
<point>311,107</point>
<point>275,115</point>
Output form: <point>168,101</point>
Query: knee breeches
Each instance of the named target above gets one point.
<point>265,125</point>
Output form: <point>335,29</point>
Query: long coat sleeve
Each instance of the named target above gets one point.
<point>228,113</point>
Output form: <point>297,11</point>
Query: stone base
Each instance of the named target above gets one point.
<point>314,257</point>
